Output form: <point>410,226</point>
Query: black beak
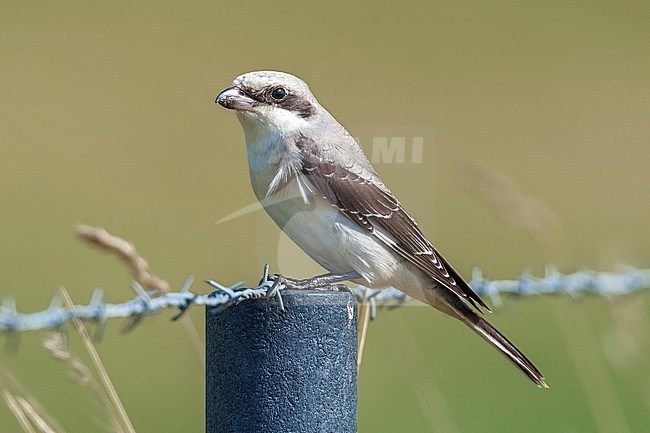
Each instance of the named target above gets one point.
<point>234,99</point>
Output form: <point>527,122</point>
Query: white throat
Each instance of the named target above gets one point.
<point>273,157</point>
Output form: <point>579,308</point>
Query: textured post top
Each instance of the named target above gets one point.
<point>291,370</point>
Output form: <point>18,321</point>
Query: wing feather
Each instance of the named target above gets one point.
<point>367,202</point>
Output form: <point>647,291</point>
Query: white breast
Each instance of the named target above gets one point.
<point>329,237</point>
<point>315,225</point>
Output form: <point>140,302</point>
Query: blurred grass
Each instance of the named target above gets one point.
<point>108,118</point>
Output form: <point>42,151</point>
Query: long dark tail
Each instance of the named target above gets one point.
<point>498,340</point>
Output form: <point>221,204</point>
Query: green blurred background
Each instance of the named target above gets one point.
<point>108,118</point>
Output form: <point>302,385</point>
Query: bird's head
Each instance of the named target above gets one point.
<point>274,101</point>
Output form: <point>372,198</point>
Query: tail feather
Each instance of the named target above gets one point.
<point>499,341</point>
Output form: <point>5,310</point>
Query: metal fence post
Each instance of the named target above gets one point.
<point>273,371</point>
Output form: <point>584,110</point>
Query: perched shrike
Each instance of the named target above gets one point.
<point>315,182</point>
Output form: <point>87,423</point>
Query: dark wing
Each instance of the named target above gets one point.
<point>373,207</point>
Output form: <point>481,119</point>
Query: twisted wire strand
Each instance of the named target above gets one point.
<point>629,280</point>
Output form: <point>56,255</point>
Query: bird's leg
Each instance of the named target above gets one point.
<point>320,282</point>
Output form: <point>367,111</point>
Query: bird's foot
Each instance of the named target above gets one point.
<point>327,282</point>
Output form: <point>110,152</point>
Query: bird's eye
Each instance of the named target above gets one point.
<point>278,94</point>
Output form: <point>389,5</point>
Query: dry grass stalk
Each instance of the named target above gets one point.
<point>57,345</point>
<point>34,416</point>
<point>127,252</point>
<point>417,369</point>
<point>596,379</point>
<point>17,410</point>
<point>195,338</point>
<point>511,204</point>
<point>362,326</point>
<point>142,273</point>
<point>113,397</point>
<point>30,414</point>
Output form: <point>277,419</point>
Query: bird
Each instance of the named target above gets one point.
<point>314,181</point>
